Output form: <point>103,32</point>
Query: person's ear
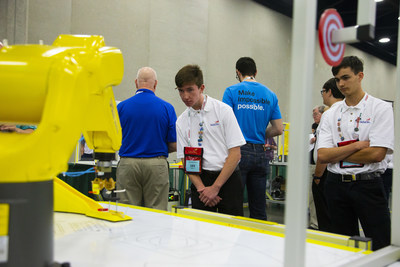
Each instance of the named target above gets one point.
<point>238,75</point>
<point>136,83</point>
<point>202,88</point>
<point>360,76</point>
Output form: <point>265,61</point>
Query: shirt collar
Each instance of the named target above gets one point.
<point>358,106</point>
<point>193,112</point>
<point>144,90</point>
<point>336,103</point>
<point>207,107</point>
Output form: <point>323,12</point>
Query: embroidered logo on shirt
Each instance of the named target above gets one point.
<point>366,121</point>
<point>215,123</point>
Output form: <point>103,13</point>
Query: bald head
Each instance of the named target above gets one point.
<point>146,78</point>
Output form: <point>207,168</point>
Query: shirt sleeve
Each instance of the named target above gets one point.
<point>233,134</point>
<point>382,130</point>
<point>324,133</point>
<point>181,141</point>
<point>227,98</point>
<point>276,114</point>
<point>171,138</point>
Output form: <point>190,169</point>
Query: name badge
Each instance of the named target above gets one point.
<point>345,164</point>
<point>193,160</point>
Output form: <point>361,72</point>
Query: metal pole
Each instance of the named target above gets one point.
<point>302,68</point>
<point>396,171</point>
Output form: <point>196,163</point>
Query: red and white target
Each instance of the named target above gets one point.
<point>330,21</point>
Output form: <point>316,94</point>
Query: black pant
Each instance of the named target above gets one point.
<point>387,178</point>
<point>366,201</point>
<point>321,206</point>
<point>231,193</point>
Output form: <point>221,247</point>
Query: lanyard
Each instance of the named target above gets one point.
<point>357,122</point>
<point>201,124</point>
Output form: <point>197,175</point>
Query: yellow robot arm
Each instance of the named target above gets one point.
<point>65,89</point>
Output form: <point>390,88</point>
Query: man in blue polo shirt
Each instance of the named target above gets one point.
<point>255,106</point>
<point>148,135</point>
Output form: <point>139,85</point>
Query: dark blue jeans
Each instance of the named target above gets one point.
<point>254,167</point>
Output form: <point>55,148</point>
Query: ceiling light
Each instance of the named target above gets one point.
<point>384,40</point>
<point>378,0</point>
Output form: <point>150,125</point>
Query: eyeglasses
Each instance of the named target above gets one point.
<point>322,91</point>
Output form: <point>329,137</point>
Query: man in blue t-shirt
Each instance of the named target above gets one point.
<point>255,106</point>
<point>148,135</point>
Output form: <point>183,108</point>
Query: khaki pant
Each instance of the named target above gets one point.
<point>311,204</point>
<point>146,181</point>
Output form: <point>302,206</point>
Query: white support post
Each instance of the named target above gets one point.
<point>396,170</point>
<point>302,69</point>
<point>345,35</point>
<point>365,28</point>
<point>366,11</point>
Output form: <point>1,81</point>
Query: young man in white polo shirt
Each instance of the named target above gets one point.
<point>354,138</point>
<point>209,126</point>
<point>331,96</point>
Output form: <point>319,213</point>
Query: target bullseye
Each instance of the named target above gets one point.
<point>332,52</point>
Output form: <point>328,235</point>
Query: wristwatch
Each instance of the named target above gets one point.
<point>316,177</point>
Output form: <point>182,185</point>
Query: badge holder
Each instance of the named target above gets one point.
<point>345,164</point>
<point>193,160</point>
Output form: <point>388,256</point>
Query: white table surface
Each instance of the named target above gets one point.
<point>159,239</point>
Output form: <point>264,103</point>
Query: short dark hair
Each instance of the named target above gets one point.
<point>355,64</point>
<point>331,85</point>
<point>246,66</point>
<point>189,74</point>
